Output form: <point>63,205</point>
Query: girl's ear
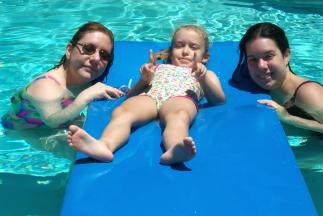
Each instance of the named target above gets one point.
<point>68,51</point>
<point>287,56</point>
<point>206,58</point>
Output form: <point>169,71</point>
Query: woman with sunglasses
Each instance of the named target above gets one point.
<point>59,95</point>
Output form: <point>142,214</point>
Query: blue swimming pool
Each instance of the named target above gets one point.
<point>34,34</point>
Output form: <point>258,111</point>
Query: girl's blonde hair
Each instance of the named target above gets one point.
<point>165,54</point>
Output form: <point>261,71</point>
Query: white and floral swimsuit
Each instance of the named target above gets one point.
<point>173,81</point>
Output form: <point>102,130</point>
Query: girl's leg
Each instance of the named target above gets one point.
<point>134,111</point>
<point>176,115</point>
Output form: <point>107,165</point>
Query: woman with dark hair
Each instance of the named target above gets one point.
<point>264,57</point>
<point>58,96</point>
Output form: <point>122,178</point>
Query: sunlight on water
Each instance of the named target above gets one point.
<point>34,35</point>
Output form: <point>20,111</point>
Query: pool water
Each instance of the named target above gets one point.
<point>34,33</point>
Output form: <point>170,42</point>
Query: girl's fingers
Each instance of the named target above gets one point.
<point>152,60</point>
<point>194,67</point>
<point>194,62</point>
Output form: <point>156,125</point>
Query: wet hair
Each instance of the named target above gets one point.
<point>165,54</point>
<point>82,31</point>
<point>259,30</point>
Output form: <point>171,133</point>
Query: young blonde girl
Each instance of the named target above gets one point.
<point>169,92</point>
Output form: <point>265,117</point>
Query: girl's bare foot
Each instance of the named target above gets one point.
<point>180,152</point>
<point>80,140</point>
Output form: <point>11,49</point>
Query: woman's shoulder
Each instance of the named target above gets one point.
<point>308,93</point>
<point>44,87</point>
<point>308,86</point>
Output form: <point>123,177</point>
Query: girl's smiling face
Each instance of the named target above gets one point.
<point>188,47</point>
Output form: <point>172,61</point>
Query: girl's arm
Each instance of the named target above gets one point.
<point>139,87</point>
<point>147,72</point>
<point>210,84</point>
<point>212,88</point>
<point>46,96</point>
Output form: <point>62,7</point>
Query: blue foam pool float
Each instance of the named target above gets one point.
<point>244,165</point>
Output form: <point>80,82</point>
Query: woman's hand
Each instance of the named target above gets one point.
<point>100,91</point>
<point>296,121</point>
<point>280,110</point>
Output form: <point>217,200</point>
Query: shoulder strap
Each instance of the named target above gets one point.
<point>296,90</point>
<point>45,77</point>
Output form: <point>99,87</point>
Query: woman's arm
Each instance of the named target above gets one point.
<point>46,96</point>
<point>296,121</point>
<point>307,124</point>
<point>310,99</point>
<point>54,115</point>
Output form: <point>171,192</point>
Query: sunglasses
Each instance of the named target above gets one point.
<point>90,49</point>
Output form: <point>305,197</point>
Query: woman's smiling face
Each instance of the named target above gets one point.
<point>267,65</point>
<point>88,67</point>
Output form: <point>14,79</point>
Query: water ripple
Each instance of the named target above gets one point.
<point>34,35</point>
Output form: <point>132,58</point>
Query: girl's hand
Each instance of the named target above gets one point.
<point>100,91</point>
<point>147,71</point>
<point>281,111</point>
<point>199,70</point>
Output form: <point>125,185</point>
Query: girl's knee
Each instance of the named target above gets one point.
<point>119,111</point>
<point>181,114</point>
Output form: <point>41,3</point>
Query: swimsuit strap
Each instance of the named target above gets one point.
<point>65,102</point>
<point>47,76</point>
<point>296,91</point>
